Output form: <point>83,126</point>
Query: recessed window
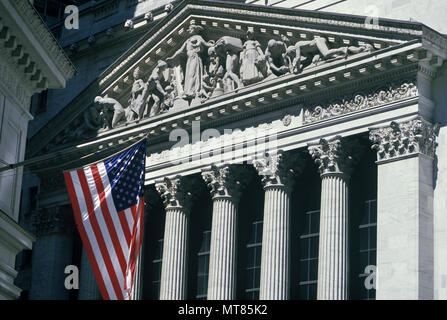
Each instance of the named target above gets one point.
<point>368,244</point>
<point>203,262</point>
<point>308,261</point>
<point>253,270</point>
<point>156,269</point>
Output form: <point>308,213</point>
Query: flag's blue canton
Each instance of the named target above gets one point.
<point>126,176</point>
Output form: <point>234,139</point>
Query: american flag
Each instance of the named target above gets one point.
<point>108,206</point>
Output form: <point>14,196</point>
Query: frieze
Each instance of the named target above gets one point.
<point>210,62</point>
<point>360,101</point>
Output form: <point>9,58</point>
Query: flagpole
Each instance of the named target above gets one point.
<point>44,157</point>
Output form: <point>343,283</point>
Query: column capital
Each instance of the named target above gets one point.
<point>174,192</point>
<point>331,156</point>
<point>400,139</point>
<point>224,181</point>
<point>58,219</point>
<point>279,169</point>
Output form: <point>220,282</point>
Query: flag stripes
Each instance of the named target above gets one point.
<point>112,238</point>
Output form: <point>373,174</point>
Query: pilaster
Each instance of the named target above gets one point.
<point>405,246</point>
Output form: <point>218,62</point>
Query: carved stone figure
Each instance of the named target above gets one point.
<point>275,56</point>
<point>193,75</point>
<point>309,52</point>
<point>252,59</point>
<point>229,48</point>
<point>213,80</point>
<point>155,88</point>
<point>139,94</point>
<point>112,112</point>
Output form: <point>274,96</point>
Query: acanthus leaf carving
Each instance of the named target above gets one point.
<point>279,169</point>
<point>174,192</point>
<point>406,138</point>
<point>333,156</point>
<point>224,181</point>
<point>53,220</point>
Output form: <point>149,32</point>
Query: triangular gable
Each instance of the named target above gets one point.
<point>397,43</point>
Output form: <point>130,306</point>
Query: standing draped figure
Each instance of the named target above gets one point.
<point>252,61</point>
<point>194,71</point>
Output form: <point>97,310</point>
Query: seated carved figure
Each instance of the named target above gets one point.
<point>83,127</point>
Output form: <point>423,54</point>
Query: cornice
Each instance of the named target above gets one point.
<point>41,32</point>
<point>32,48</point>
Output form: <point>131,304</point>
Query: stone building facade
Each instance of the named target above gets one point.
<point>30,61</point>
<point>292,154</point>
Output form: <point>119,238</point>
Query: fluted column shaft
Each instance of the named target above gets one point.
<point>274,283</point>
<point>88,287</point>
<point>333,243</point>
<point>225,186</point>
<point>173,269</point>
<point>222,271</point>
<point>278,172</point>
<point>334,158</point>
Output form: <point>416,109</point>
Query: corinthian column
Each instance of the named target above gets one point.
<point>278,172</point>
<point>225,192</point>
<point>334,166</point>
<point>173,268</point>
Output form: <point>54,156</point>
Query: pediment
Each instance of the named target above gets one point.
<point>334,49</point>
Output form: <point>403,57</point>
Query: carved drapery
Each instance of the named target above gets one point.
<point>406,138</point>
